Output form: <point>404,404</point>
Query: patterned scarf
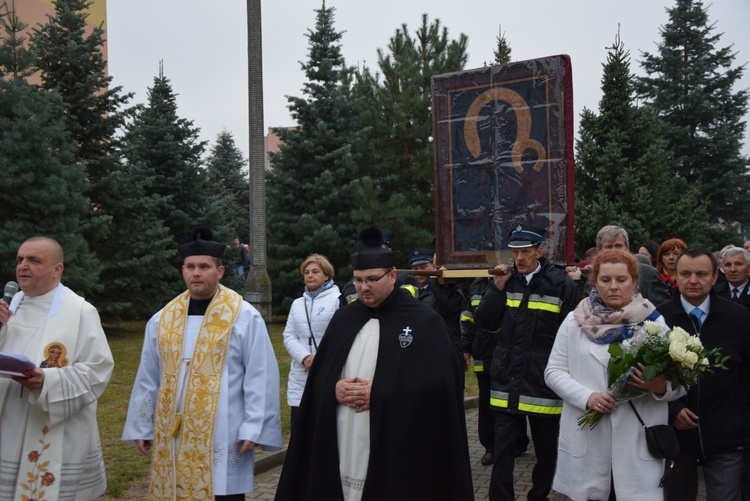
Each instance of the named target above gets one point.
<point>603,325</point>
<point>327,285</point>
<point>671,283</point>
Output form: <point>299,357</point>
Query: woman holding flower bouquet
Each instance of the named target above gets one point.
<point>608,454</point>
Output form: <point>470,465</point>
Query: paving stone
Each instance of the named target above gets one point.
<point>266,482</point>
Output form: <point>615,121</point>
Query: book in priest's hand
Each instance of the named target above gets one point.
<point>12,364</point>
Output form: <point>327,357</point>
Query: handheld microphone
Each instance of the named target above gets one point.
<point>10,290</point>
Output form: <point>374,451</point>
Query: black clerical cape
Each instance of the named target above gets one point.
<point>418,444</point>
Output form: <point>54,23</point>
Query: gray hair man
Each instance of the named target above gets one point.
<point>735,262</point>
<point>650,285</point>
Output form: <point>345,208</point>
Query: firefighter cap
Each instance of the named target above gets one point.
<point>526,235</point>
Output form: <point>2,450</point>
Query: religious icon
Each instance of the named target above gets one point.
<point>503,157</point>
<point>55,355</point>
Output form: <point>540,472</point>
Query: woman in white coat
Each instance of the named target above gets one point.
<point>307,322</point>
<point>594,464</point>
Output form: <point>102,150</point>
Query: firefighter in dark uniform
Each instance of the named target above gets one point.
<point>525,304</point>
<point>479,344</point>
<point>446,299</point>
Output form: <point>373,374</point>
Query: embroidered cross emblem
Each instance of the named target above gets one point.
<point>405,338</point>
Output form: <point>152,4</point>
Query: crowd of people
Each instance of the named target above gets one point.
<point>376,382</point>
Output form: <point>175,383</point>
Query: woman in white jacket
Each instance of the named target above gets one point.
<point>594,464</point>
<point>307,322</point>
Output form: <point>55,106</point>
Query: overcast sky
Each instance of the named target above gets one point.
<point>204,44</point>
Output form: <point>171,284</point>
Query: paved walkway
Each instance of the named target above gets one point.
<point>266,482</point>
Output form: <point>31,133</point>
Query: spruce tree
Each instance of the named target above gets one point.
<point>502,51</point>
<point>16,60</point>
<point>43,185</point>
<point>690,86</point>
<point>228,178</point>
<point>139,274</point>
<point>72,64</point>
<point>313,189</point>
<point>398,116</point>
<point>135,272</point>
<point>228,187</point>
<point>622,170</point>
<point>168,149</point>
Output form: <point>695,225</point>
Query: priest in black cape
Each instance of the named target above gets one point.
<point>382,415</point>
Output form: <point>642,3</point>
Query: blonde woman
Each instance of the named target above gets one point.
<point>307,322</point>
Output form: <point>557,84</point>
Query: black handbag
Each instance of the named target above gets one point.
<point>662,443</point>
<point>661,439</point>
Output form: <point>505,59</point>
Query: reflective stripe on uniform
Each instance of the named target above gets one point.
<point>467,316</point>
<point>536,302</point>
<point>532,405</point>
<point>478,366</point>
<point>539,405</point>
<point>499,399</point>
<point>475,300</point>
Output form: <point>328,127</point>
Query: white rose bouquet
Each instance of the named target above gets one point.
<point>656,350</point>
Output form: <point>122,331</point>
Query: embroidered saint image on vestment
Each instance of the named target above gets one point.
<point>55,355</point>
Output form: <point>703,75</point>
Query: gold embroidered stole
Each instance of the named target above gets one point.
<point>188,472</point>
<point>43,447</point>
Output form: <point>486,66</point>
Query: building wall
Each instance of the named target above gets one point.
<point>272,143</point>
<point>35,12</point>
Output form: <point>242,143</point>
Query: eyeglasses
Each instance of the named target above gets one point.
<point>367,281</point>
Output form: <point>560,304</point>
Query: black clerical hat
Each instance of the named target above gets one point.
<point>201,243</point>
<point>369,253</point>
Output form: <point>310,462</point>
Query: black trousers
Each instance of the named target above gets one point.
<point>294,417</point>
<point>485,415</point>
<point>682,482</point>
<point>509,427</point>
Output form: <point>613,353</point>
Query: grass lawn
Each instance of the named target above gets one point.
<point>123,461</point>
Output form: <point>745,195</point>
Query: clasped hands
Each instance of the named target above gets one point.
<point>354,393</point>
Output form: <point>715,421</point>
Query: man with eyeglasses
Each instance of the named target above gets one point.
<point>404,279</point>
<point>382,415</point>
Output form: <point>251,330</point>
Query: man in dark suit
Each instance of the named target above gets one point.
<point>736,265</point>
<point>711,420</point>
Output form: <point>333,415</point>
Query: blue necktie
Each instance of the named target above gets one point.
<point>698,314</point>
<point>735,294</point>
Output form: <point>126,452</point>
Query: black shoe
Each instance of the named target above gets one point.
<point>486,459</point>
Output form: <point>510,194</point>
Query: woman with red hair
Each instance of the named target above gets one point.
<point>666,261</point>
<point>612,460</point>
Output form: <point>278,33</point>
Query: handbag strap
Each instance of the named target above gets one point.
<point>636,413</point>
<point>309,325</point>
